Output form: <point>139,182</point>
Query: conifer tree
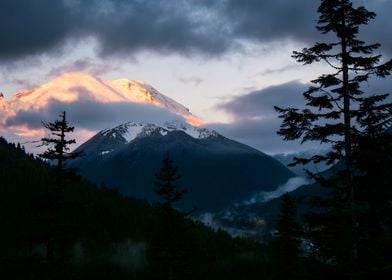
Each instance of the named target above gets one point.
<point>170,243</point>
<point>165,182</point>
<point>58,144</point>
<point>287,225</point>
<point>339,106</point>
<point>53,203</point>
<point>285,246</point>
<point>340,114</point>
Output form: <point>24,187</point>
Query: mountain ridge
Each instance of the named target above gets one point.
<point>217,170</point>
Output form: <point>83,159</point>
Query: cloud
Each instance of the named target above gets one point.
<point>90,115</point>
<point>30,27</point>
<point>121,26</point>
<point>273,20</point>
<point>277,71</point>
<point>87,65</point>
<point>188,27</point>
<point>378,30</point>
<point>260,104</point>
<point>260,134</point>
<point>291,185</point>
<point>190,80</point>
<point>255,122</point>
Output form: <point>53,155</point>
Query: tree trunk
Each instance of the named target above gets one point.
<point>348,141</point>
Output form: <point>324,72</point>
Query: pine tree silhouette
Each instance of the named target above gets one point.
<point>170,245</point>
<point>166,181</point>
<point>53,203</point>
<point>285,246</point>
<point>340,114</point>
<point>58,145</point>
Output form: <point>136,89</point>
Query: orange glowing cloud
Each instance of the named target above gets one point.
<point>92,102</point>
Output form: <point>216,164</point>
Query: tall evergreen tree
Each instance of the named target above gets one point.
<point>339,105</point>
<point>287,224</point>
<point>58,144</point>
<point>285,247</point>
<point>340,114</point>
<point>53,203</point>
<point>170,244</point>
<point>165,182</point>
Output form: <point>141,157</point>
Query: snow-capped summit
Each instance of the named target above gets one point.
<point>78,86</point>
<point>195,132</point>
<point>141,92</point>
<point>129,131</point>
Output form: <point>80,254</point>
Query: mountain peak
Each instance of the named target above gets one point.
<point>75,86</point>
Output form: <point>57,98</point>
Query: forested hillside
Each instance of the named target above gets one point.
<point>81,231</point>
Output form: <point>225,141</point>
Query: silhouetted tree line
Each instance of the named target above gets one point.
<point>90,232</point>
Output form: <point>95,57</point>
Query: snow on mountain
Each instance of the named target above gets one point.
<point>130,130</point>
<point>77,86</point>
<point>141,92</point>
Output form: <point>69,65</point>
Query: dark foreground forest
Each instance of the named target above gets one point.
<point>82,231</point>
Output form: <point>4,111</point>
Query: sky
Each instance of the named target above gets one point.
<point>228,61</point>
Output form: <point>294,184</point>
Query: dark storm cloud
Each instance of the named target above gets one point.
<point>29,27</point>
<point>126,26</point>
<point>165,26</point>
<point>273,19</point>
<point>276,19</point>
<point>269,20</point>
<point>91,115</point>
